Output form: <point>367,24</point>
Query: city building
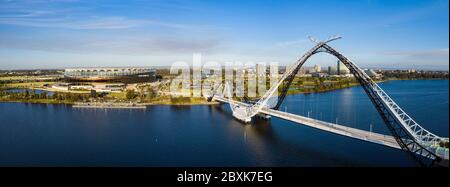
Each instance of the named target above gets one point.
<point>301,71</point>
<point>317,68</point>
<point>319,75</point>
<point>341,68</point>
<point>81,87</point>
<point>308,70</point>
<point>117,87</point>
<point>123,75</point>
<point>61,86</point>
<point>97,87</point>
<point>372,73</point>
<point>332,70</point>
<point>281,69</point>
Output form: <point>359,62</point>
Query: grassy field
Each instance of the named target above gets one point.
<point>14,78</point>
<point>30,85</point>
<point>26,78</point>
<point>117,95</point>
<point>40,101</point>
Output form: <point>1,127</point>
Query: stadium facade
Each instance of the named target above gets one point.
<point>123,75</point>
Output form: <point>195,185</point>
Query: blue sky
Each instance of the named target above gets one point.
<point>75,33</point>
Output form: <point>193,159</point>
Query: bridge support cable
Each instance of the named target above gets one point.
<point>419,143</point>
<point>413,143</point>
<point>411,137</point>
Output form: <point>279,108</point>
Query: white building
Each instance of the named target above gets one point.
<point>372,73</point>
<point>317,68</point>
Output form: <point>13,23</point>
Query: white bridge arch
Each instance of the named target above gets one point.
<point>411,137</point>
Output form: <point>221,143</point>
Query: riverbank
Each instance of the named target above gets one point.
<point>186,101</point>
<point>110,105</point>
<point>182,101</point>
<point>43,101</point>
<point>191,102</point>
<point>351,84</point>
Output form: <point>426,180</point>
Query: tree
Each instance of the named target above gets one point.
<point>180,100</point>
<point>300,82</point>
<point>321,79</point>
<point>151,93</point>
<point>27,94</point>
<point>131,94</point>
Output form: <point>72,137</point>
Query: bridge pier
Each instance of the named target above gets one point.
<point>408,134</point>
<point>244,120</point>
<point>260,116</point>
<point>264,117</point>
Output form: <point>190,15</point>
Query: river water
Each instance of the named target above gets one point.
<point>59,135</point>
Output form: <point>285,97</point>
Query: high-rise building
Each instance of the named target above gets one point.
<point>341,68</point>
<point>332,70</point>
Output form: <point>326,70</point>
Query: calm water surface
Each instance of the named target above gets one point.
<point>59,135</point>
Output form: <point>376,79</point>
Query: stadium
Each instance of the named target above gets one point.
<point>123,75</point>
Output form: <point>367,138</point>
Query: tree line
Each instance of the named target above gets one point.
<point>30,95</point>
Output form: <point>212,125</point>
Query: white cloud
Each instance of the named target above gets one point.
<point>42,19</point>
<point>291,43</point>
<point>425,54</point>
<point>52,14</point>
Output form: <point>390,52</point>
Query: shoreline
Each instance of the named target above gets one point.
<point>114,105</point>
<point>117,105</point>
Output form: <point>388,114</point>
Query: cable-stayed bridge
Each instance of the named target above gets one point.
<point>426,148</point>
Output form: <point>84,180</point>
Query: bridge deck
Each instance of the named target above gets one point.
<point>335,128</point>
<point>373,137</point>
